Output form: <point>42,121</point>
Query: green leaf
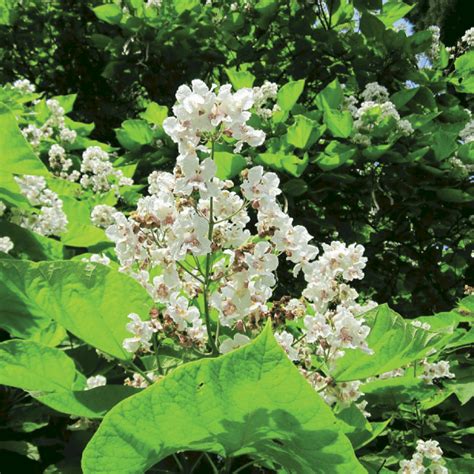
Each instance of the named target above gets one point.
<point>134,134</point>
<point>465,72</point>
<point>252,401</point>
<point>331,97</point>
<point>240,79</point>
<point>454,195</point>
<point>155,113</point>
<point>289,94</point>
<point>393,11</point>
<point>294,165</point>
<point>338,122</point>
<point>94,403</point>
<point>403,96</point>
<point>20,314</point>
<point>91,301</point>
<point>80,231</point>
<point>343,13</point>
<point>35,367</point>
<point>182,6</point>
<point>109,13</point>
<point>395,343</point>
<point>52,378</point>
<point>372,27</point>
<point>295,187</point>
<point>357,428</point>
<point>336,154</point>
<point>304,132</point>
<point>31,245</point>
<point>228,164</point>
<point>391,392</point>
<point>16,154</point>
<point>443,144</point>
<point>21,447</point>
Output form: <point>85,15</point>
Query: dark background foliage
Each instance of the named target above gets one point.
<point>390,206</point>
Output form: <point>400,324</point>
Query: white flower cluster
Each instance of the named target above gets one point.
<point>6,244</point>
<point>142,333</point>
<point>467,133</point>
<point>200,112</point>
<point>192,237</point>
<point>103,215</point>
<point>54,127</point>
<point>464,170</point>
<point>427,459</point>
<point>262,95</point>
<point>433,52</point>
<point>139,381</point>
<point>60,164</point>
<point>468,38</point>
<point>334,325</point>
<point>154,3</point>
<point>98,172</point>
<point>237,341</point>
<point>95,381</point>
<point>245,5</point>
<point>464,44</point>
<point>375,111</point>
<point>435,370</point>
<point>51,219</point>
<point>97,258</point>
<point>24,86</point>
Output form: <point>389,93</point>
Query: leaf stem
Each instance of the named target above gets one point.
<point>155,349</point>
<point>207,275</point>
<point>141,372</point>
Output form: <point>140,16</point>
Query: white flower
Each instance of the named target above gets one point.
<point>33,134</point>
<point>55,107</point>
<point>228,345</point>
<point>430,449</point>
<point>261,95</point>
<point>51,220</point>
<point>468,38</point>
<point>435,370</point>
<point>375,92</point>
<point>467,133</point>
<point>103,215</point>
<point>138,381</point>
<point>67,135</point>
<point>95,381</point>
<point>180,312</point>
<point>285,339</point>
<point>24,86</point>
<point>99,173</point>
<point>5,244</point>
<point>260,186</point>
<point>154,3</point>
<point>142,333</point>
<point>200,111</point>
<point>427,458</point>
<point>433,52</point>
<point>97,258</point>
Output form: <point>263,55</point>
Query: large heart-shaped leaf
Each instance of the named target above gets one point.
<point>51,377</point>
<point>35,367</point>
<point>252,401</point>
<point>91,301</point>
<point>16,155</point>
